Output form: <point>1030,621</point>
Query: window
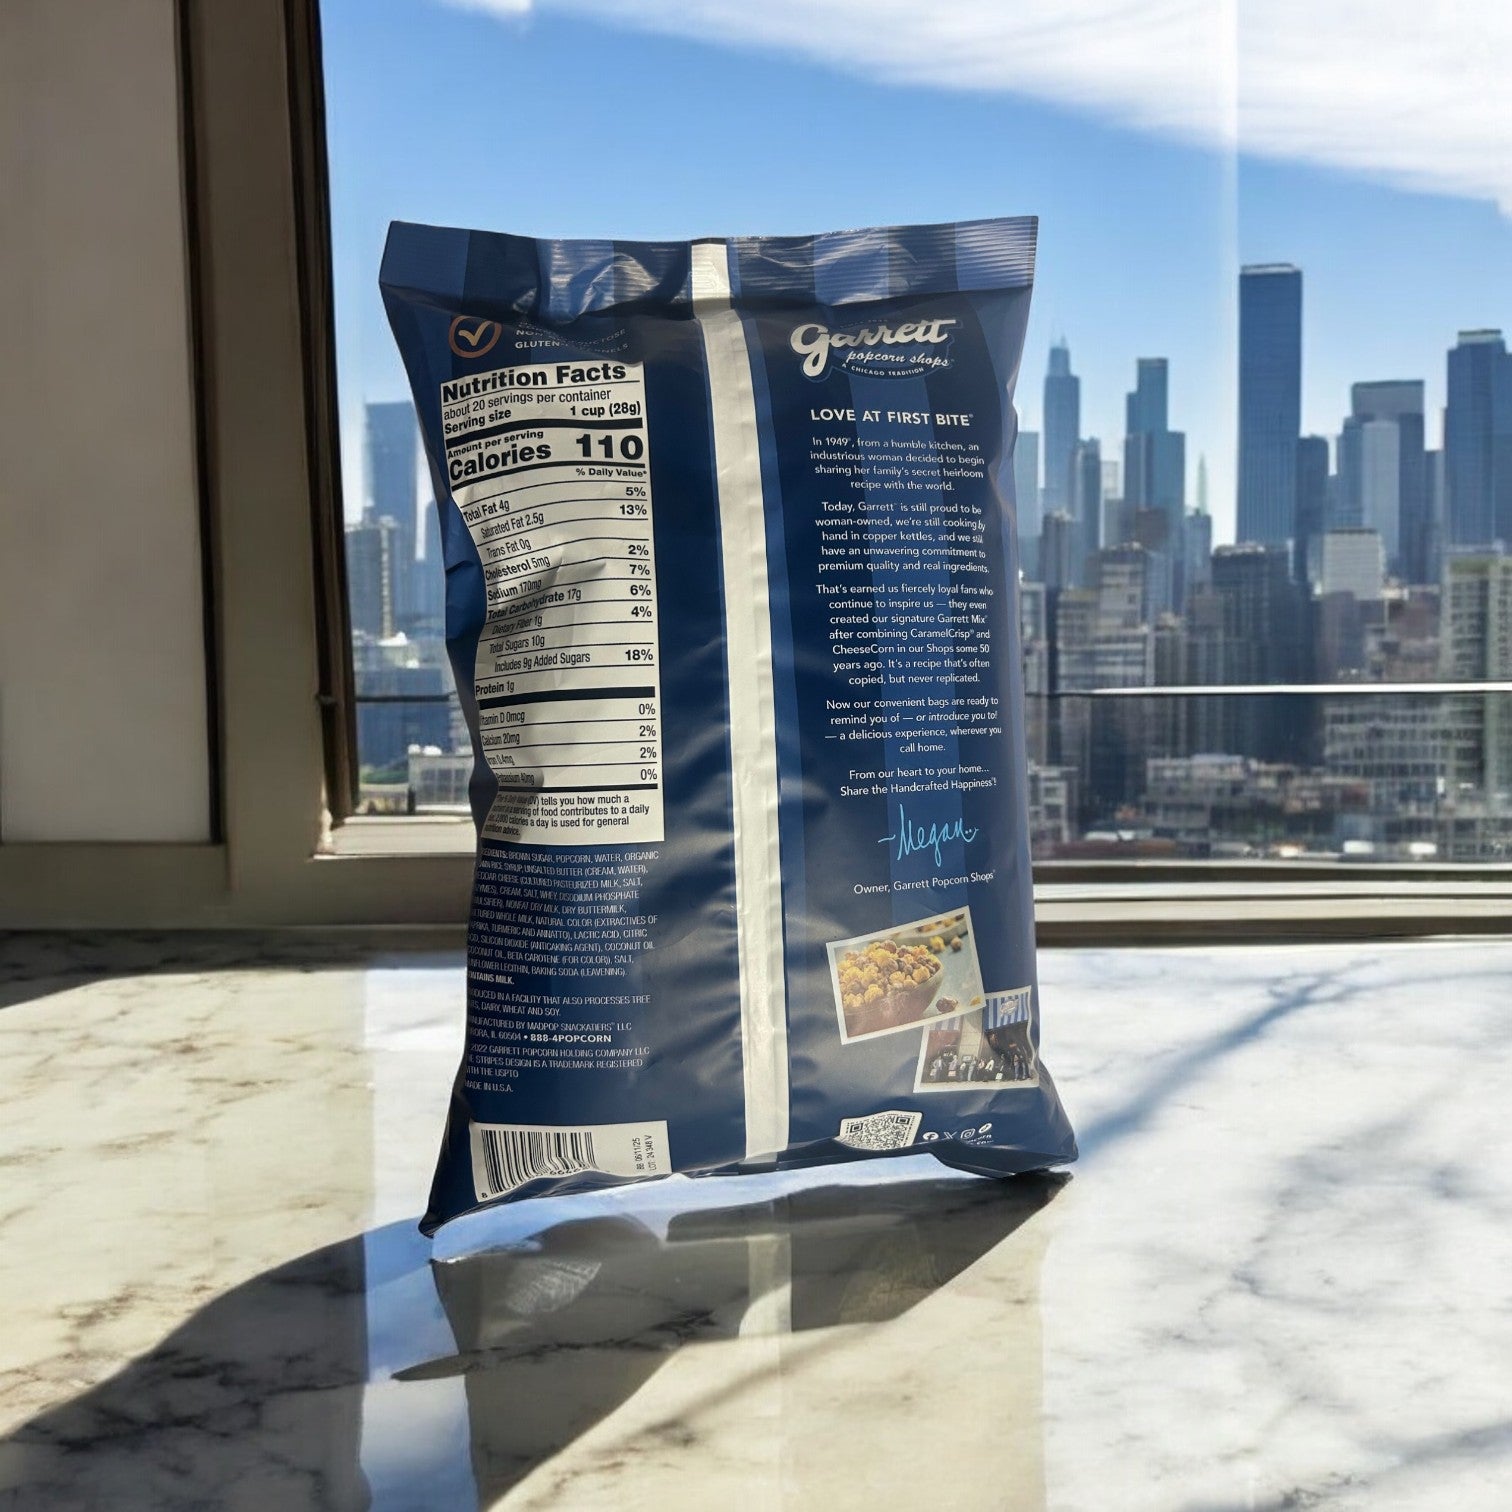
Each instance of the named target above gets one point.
<point>1119,132</point>
<point>1264,477</point>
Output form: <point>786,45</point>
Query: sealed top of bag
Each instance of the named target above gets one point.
<point>564,280</point>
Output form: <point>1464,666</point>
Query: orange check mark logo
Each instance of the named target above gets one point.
<point>471,337</point>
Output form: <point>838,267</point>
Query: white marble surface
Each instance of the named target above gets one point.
<point>1279,1278</point>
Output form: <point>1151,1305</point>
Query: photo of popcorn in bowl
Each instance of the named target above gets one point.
<point>904,976</point>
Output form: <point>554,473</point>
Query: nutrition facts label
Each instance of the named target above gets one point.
<point>548,464</point>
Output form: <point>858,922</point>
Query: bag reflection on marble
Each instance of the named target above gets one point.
<point>556,1334</point>
<point>732,608</point>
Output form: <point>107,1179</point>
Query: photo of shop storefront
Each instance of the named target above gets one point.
<point>992,1045</point>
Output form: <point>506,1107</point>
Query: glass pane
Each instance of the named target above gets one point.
<point>411,740</point>
<point>1266,405</point>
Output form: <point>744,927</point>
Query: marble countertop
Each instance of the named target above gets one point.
<point>1279,1277</point>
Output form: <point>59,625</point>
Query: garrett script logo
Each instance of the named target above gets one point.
<point>471,337</point>
<point>866,350</point>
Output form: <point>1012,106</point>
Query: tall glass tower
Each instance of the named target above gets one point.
<point>393,442</point>
<point>1026,491</point>
<point>1154,455</point>
<point>1062,428</point>
<point>1270,400</point>
<point>1478,441</point>
<point>1312,506</point>
<point>1383,480</point>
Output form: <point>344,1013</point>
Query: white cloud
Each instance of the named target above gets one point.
<point>497,7</point>
<point>1411,91</point>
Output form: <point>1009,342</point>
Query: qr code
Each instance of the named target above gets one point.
<point>879,1131</point>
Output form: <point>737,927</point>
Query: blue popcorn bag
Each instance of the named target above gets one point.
<point>732,580</point>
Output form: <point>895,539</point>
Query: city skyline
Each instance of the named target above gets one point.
<point>1382,448</point>
<point>1170,473</point>
<point>1138,598</point>
<point>1141,234</point>
<point>1364,558</point>
<point>1141,601</point>
<point>1151,200</point>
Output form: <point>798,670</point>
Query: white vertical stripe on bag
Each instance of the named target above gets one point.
<point>753,735</point>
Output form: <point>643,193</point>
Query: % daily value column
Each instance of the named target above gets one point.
<point>548,464</point>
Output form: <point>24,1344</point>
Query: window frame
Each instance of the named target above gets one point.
<point>257,228</point>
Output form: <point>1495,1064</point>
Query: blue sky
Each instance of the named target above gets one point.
<point>564,123</point>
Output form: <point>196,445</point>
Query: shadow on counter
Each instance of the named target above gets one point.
<point>258,1399</point>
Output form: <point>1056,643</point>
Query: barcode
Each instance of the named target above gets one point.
<point>512,1157</point>
<point>880,1131</point>
<point>507,1156</point>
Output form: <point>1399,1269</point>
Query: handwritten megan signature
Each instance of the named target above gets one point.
<point>912,838</point>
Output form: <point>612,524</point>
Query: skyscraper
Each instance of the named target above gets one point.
<point>1103,639</point>
<point>392,444</point>
<point>1478,441</point>
<point>1103,632</point>
<point>1381,484</point>
<point>1259,640</point>
<point>1351,560</point>
<point>1154,454</point>
<point>1312,502</point>
<point>1261,617</point>
<point>1034,637</point>
<point>1270,401</point>
<point>1151,529</point>
<point>1383,479</point>
<point>1197,550</point>
<point>370,577</point>
<point>392,459</point>
<point>1062,428</point>
<point>1415,530</point>
<point>1476,643</point>
<point>1155,472</point>
<point>428,582</point>
<point>1438,510</point>
<point>1026,494</point>
<point>1058,550</point>
<point>1086,503</point>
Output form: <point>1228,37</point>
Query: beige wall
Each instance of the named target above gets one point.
<point>102,660</point>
